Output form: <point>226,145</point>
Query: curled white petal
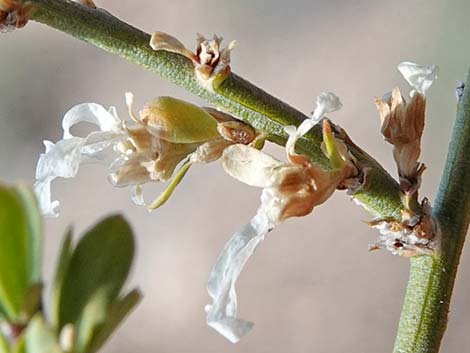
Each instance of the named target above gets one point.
<point>327,102</point>
<point>418,76</point>
<point>42,189</point>
<point>59,160</point>
<point>64,158</point>
<point>91,113</point>
<point>249,165</point>
<point>222,313</point>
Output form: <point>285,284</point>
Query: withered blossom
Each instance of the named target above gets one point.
<point>290,189</point>
<point>13,15</point>
<point>146,149</point>
<point>416,233</point>
<point>403,123</point>
<point>211,61</point>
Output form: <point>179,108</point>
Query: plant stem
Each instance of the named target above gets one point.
<point>424,317</point>
<point>380,193</point>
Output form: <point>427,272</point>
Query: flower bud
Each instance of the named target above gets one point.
<point>178,121</point>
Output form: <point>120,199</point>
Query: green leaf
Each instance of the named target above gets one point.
<point>93,315</point>
<point>20,248</point>
<point>61,270</point>
<point>4,346</point>
<point>102,259</point>
<point>117,312</point>
<point>39,338</point>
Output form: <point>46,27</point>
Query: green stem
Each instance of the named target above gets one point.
<point>424,316</point>
<point>380,194</point>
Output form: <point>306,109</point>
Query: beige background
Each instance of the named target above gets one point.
<point>312,286</point>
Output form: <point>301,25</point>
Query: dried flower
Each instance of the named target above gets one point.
<point>416,233</point>
<point>13,15</point>
<point>211,62</point>
<point>290,189</point>
<point>403,123</point>
<point>148,149</point>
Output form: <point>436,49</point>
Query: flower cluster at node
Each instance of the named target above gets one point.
<point>146,149</point>
<point>211,61</point>
<point>402,126</point>
<point>290,189</point>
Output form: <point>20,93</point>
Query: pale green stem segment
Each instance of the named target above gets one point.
<point>424,316</point>
<point>235,95</point>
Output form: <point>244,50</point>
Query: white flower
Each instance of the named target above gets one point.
<point>290,189</point>
<point>166,131</point>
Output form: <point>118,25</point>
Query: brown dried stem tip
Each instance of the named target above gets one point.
<point>13,15</point>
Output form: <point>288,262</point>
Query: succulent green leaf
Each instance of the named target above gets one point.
<point>20,248</point>
<point>117,312</point>
<point>40,338</point>
<point>178,121</point>
<point>101,259</point>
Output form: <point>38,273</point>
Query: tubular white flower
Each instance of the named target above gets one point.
<point>289,189</point>
<point>419,77</point>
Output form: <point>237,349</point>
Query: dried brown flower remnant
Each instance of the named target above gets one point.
<point>211,61</point>
<point>402,126</point>
<point>416,232</point>
<point>403,123</point>
<point>13,15</point>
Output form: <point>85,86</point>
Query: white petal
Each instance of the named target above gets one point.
<point>249,165</point>
<point>296,133</point>
<point>91,113</point>
<point>96,147</point>
<point>221,314</point>
<point>419,77</point>
<point>42,189</point>
<point>327,102</point>
<point>60,160</point>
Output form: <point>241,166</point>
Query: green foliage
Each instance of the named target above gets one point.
<point>86,305</point>
<point>89,280</point>
<point>20,253</point>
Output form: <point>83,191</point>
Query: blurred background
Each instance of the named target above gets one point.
<point>312,286</point>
